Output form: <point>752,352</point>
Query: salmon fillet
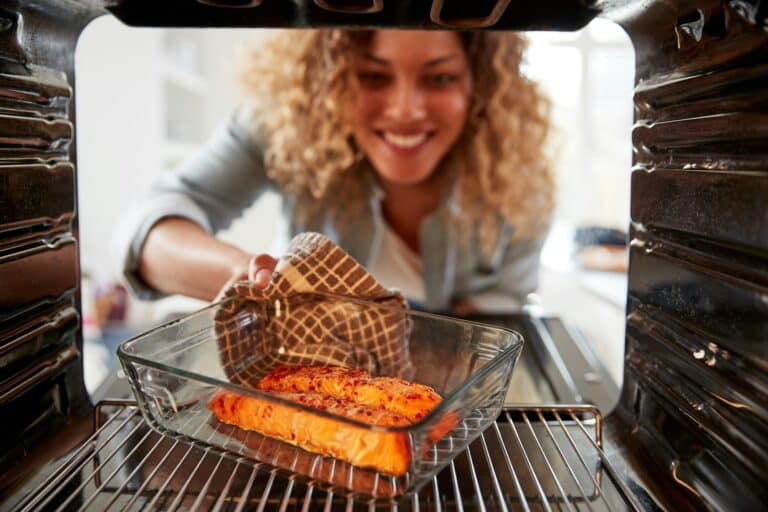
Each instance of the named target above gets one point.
<point>408,399</point>
<point>388,452</point>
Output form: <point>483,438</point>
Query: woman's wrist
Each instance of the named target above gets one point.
<point>180,257</point>
<point>238,269</point>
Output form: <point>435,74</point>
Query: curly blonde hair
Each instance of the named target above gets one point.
<point>503,173</point>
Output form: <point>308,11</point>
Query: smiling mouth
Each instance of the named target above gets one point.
<point>405,141</point>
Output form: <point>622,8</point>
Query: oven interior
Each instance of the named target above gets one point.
<point>690,424</point>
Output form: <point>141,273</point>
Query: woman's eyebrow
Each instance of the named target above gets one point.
<point>375,60</point>
<point>439,60</point>
<point>429,64</point>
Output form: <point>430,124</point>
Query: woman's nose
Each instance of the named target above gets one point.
<point>406,102</point>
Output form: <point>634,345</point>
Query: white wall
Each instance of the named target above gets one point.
<point>119,123</point>
<point>128,86</point>
<point>589,76</point>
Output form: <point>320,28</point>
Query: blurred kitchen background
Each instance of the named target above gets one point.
<point>147,98</point>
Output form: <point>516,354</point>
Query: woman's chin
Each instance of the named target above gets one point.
<point>405,178</point>
<point>408,172</point>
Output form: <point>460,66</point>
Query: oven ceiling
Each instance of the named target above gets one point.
<point>500,14</point>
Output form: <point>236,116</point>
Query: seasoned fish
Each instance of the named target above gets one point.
<point>350,393</point>
<point>388,452</point>
<point>408,399</point>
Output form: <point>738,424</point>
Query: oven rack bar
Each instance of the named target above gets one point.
<point>546,458</point>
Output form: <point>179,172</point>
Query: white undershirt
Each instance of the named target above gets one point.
<point>397,266</point>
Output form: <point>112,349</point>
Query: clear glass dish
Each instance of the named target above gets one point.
<point>175,369</point>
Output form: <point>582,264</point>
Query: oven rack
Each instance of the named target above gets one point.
<point>546,458</point>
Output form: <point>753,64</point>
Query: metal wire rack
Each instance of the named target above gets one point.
<point>546,458</point>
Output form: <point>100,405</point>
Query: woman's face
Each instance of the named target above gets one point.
<point>412,93</point>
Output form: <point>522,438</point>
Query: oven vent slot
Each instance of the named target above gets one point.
<point>537,458</point>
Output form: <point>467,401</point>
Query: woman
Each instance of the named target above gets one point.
<point>420,153</point>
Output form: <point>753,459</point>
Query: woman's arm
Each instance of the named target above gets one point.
<point>203,267</point>
<point>181,257</point>
<point>166,243</point>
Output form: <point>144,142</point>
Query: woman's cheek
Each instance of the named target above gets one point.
<point>366,105</point>
<point>452,108</point>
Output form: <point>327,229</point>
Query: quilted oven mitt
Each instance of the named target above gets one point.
<point>296,329</point>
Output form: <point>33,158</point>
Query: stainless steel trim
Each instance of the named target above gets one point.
<point>554,366</point>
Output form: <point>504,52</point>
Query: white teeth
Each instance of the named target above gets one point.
<point>405,141</point>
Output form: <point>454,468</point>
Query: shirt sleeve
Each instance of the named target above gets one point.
<point>212,188</point>
<point>518,276</point>
<point>520,270</point>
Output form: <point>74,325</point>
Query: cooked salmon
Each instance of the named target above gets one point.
<point>388,452</point>
<point>408,399</point>
<point>350,393</point>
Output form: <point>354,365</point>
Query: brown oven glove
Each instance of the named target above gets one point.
<point>282,325</point>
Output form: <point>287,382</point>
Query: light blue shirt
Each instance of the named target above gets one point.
<point>228,175</point>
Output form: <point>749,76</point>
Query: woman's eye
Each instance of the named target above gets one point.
<point>372,78</point>
<point>441,79</point>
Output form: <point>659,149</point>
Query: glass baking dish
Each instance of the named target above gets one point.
<point>176,368</point>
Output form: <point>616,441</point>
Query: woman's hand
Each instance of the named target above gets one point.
<point>259,271</point>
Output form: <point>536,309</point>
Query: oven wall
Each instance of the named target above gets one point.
<point>695,397</point>
<point>41,378</point>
